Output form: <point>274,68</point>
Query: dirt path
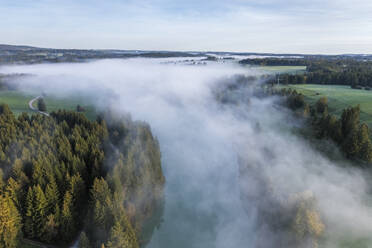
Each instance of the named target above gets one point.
<point>30,104</point>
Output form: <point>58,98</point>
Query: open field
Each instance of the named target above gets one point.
<point>339,98</point>
<point>283,69</point>
<point>18,103</point>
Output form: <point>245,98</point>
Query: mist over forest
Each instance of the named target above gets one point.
<point>237,171</point>
<point>186,124</point>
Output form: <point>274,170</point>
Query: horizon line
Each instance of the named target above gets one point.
<point>188,51</point>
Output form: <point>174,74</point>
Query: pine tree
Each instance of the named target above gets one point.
<point>52,196</point>
<point>322,105</point>
<point>2,183</point>
<point>84,241</point>
<point>41,211</point>
<point>335,130</point>
<point>41,105</point>
<point>100,190</point>
<point>68,224</point>
<point>307,224</point>
<point>351,145</point>
<point>19,175</point>
<point>102,204</point>
<point>51,229</point>
<point>306,112</point>
<point>77,189</point>
<point>122,233</point>
<point>118,237</point>
<point>4,109</point>
<point>30,227</point>
<point>365,152</point>
<point>10,223</point>
<point>350,119</point>
<point>38,173</point>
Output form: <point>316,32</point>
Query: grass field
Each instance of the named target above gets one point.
<point>283,69</point>
<point>339,98</point>
<point>18,103</point>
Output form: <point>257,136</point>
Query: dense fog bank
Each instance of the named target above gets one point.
<point>204,145</point>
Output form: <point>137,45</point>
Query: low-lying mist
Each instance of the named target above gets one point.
<point>201,142</point>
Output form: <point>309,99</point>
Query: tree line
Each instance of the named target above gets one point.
<point>63,176</point>
<point>347,132</point>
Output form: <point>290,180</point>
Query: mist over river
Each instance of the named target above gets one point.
<point>201,142</point>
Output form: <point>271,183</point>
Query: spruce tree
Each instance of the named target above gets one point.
<point>41,211</point>
<point>68,224</point>
<point>51,229</point>
<point>118,237</point>
<point>306,112</point>
<point>122,233</point>
<point>52,196</point>
<point>77,189</point>
<point>10,223</point>
<point>350,120</point>
<point>84,241</point>
<point>365,152</point>
<point>2,183</point>
<point>15,192</point>
<point>30,227</point>
<point>322,105</point>
<point>41,105</point>
<point>351,145</point>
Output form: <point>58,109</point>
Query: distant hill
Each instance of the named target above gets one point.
<point>22,54</point>
<point>17,48</point>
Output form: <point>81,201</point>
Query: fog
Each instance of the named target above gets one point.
<point>201,142</point>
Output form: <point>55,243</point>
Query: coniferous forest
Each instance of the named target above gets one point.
<point>65,178</point>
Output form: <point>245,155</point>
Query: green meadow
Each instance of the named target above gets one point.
<point>339,98</point>
<point>283,69</point>
<point>18,103</point>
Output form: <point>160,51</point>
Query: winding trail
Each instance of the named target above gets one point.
<point>30,104</point>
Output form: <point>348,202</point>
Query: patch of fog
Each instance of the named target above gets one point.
<point>256,56</point>
<point>200,143</point>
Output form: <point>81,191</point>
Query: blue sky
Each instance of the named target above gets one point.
<point>290,26</point>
